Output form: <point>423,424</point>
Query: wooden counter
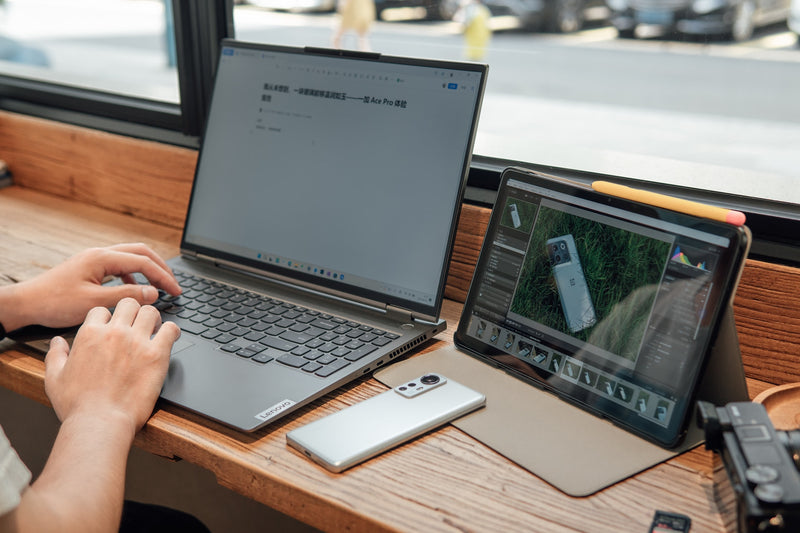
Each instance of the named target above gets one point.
<point>78,188</point>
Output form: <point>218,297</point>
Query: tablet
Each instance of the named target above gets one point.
<point>610,304</point>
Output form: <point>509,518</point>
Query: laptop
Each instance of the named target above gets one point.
<point>320,226</point>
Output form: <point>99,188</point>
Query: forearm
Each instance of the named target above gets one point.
<point>82,485</point>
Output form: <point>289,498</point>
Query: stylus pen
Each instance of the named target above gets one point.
<point>721,214</point>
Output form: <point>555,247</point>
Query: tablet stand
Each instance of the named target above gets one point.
<point>573,450</point>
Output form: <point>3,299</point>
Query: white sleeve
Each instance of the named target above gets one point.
<point>14,476</point>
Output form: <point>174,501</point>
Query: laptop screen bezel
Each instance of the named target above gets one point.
<point>417,309</point>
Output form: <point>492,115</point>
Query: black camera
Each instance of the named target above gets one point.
<point>761,463</point>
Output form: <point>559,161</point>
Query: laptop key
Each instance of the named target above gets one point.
<point>225,338</point>
<point>326,371</point>
<point>324,324</point>
<point>230,348</point>
<point>355,355</point>
<point>298,338</point>
<point>311,367</point>
<point>262,358</point>
<point>292,360</point>
<point>301,350</point>
<point>312,355</point>
<point>256,347</point>
<point>225,326</point>
<point>211,334</point>
<point>246,353</point>
<point>254,336</point>
<point>213,322</point>
<point>279,344</point>
<point>340,352</point>
<point>190,327</point>
<point>326,359</point>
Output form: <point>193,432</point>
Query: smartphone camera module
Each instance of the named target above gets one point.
<point>421,385</point>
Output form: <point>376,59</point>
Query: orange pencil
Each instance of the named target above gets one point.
<point>721,214</point>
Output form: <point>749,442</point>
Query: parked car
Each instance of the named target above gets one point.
<point>794,19</point>
<point>436,9</point>
<point>296,6</point>
<point>734,18</point>
<point>561,16</point>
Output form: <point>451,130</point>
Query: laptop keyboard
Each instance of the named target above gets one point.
<point>270,329</point>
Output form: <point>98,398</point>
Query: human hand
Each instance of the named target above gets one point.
<point>62,296</point>
<point>115,368</point>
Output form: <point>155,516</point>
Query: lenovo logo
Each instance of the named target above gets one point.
<point>275,410</point>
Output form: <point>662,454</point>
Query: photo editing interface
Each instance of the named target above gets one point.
<point>609,311</point>
<point>367,157</point>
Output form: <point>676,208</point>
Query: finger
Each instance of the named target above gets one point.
<point>167,334</point>
<point>122,263</point>
<point>55,359</point>
<point>97,315</point>
<point>109,295</point>
<point>148,321</point>
<point>125,312</point>
<point>142,249</point>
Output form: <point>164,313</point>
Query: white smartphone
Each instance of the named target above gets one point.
<point>361,431</point>
<point>576,302</point>
<point>515,216</point>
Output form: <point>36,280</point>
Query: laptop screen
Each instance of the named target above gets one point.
<point>343,171</point>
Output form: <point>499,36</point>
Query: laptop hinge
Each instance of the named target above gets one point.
<point>404,315</point>
<point>396,313</point>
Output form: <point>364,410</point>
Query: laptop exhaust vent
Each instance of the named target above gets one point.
<point>399,351</point>
<point>407,346</point>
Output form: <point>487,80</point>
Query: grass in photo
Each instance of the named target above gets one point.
<point>622,271</point>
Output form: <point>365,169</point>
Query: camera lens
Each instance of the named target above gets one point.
<point>558,258</point>
<point>563,245</point>
<point>430,379</point>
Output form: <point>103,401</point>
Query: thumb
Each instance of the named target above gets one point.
<point>56,358</point>
<point>144,294</point>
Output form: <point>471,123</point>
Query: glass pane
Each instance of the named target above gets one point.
<point>703,111</point>
<point>119,46</point>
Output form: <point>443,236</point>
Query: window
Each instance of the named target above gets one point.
<point>138,67</point>
<point>708,114</point>
<point>118,46</point>
<point>580,93</point>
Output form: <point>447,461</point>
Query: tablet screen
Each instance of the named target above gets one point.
<point>611,304</point>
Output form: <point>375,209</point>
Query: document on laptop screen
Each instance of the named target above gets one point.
<point>342,169</point>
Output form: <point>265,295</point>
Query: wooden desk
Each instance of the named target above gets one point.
<point>444,481</point>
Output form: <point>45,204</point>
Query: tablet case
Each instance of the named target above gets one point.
<point>571,449</point>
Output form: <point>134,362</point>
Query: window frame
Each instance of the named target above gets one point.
<point>198,26</point>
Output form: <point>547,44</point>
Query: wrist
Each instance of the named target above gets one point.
<point>115,425</point>
<point>13,308</point>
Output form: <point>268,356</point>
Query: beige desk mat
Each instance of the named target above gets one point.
<point>572,450</point>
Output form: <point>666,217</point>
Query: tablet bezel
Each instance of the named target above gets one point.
<point>650,219</point>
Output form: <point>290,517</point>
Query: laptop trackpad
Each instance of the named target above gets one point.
<point>180,345</point>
